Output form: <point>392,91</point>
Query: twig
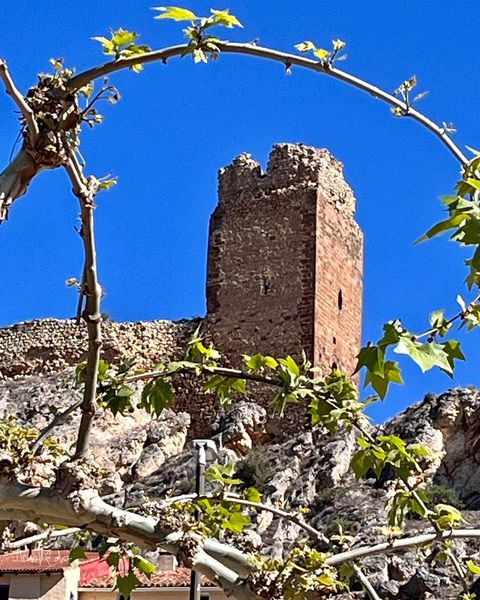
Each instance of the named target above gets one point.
<point>81,296</point>
<point>227,372</point>
<point>234,499</point>
<point>49,534</point>
<point>58,419</point>
<point>285,58</point>
<point>93,294</point>
<point>20,101</point>
<point>367,586</point>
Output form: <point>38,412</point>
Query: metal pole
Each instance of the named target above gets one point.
<point>201,446</point>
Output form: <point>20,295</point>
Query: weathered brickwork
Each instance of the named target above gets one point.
<point>285,259</point>
<point>284,275</point>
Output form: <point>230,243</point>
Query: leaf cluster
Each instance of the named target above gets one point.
<point>463,222</point>
<point>404,91</point>
<point>200,44</point>
<point>382,372</point>
<point>375,455</point>
<point>297,577</point>
<point>122,45</point>
<point>326,57</point>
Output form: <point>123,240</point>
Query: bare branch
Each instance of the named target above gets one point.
<point>15,179</point>
<point>93,294</point>
<point>234,499</point>
<point>208,370</point>
<point>367,586</point>
<point>57,420</point>
<point>20,101</point>
<point>401,545</point>
<point>44,535</point>
<point>285,58</point>
<point>84,509</point>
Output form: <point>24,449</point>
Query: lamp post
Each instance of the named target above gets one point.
<point>202,448</point>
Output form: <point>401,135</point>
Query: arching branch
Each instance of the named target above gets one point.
<point>286,59</point>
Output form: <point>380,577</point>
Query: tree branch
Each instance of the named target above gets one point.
<point>234,499</point>
<point>286,59</point>
<point>84,509</point>
<point>367,586</point>
<point>226,372</point>
<point>401,545</point>
<point>20,101</point>
<point>49,534</point>
<point>57,420</point>
<point>15,179</point>
<point>93,294</point>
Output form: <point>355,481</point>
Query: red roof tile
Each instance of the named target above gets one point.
<point>36,561</point>
<point>180,577</point>
<point>94,571</point>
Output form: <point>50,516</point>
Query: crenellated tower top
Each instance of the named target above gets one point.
<point>290,166</point>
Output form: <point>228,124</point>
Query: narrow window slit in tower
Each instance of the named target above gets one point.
<point>266,286</point>
<point>340,300</point>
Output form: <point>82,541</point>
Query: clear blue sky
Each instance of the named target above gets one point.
<point>177,124</point>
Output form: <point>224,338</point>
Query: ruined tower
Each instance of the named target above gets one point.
<point>285,259</point>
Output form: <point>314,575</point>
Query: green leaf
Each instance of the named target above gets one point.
<point>361,462</point>
<point>157,396</point>
<point>125,584</point>
<point>122,37</point>
<point>379,383</point>
<point>447,517</point>
<point>392,330</point>
<point>259,361</point>
<point>144,566</point>
<point>222,17</point>
<point>176,13</point>
<point>76,553</point>
<point>373,358</point>
<point>236,522</point>
<point>472,567</point>
<point>253,495</point>
<point>223,474</point>
<point>107,45</point>
<point>426,356</point>
<point>475,183</point>
<point>290,365</point>
<point>443,226</point>
<point>321,53</point>
<point>453,352</point>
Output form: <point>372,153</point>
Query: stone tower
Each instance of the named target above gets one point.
<point>285,259</point>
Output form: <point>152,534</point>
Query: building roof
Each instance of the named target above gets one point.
<point>35,561</point>
<point>180,577</point>
<point>94,571</point>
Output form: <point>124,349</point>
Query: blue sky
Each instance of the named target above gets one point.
<point>177,124</point>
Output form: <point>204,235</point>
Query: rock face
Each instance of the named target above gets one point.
<point>139,459</point>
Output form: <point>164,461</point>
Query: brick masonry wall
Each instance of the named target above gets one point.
<point>285,259</point>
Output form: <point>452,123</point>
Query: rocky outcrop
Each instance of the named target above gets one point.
<point>138,459</point>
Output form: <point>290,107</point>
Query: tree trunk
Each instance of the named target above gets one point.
<point>15,179</point>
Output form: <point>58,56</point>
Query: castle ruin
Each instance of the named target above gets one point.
<point>285,259</point>
<point>284,275</point>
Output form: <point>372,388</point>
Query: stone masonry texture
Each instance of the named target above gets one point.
<point>285,259</point>
<point>284,275</point>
